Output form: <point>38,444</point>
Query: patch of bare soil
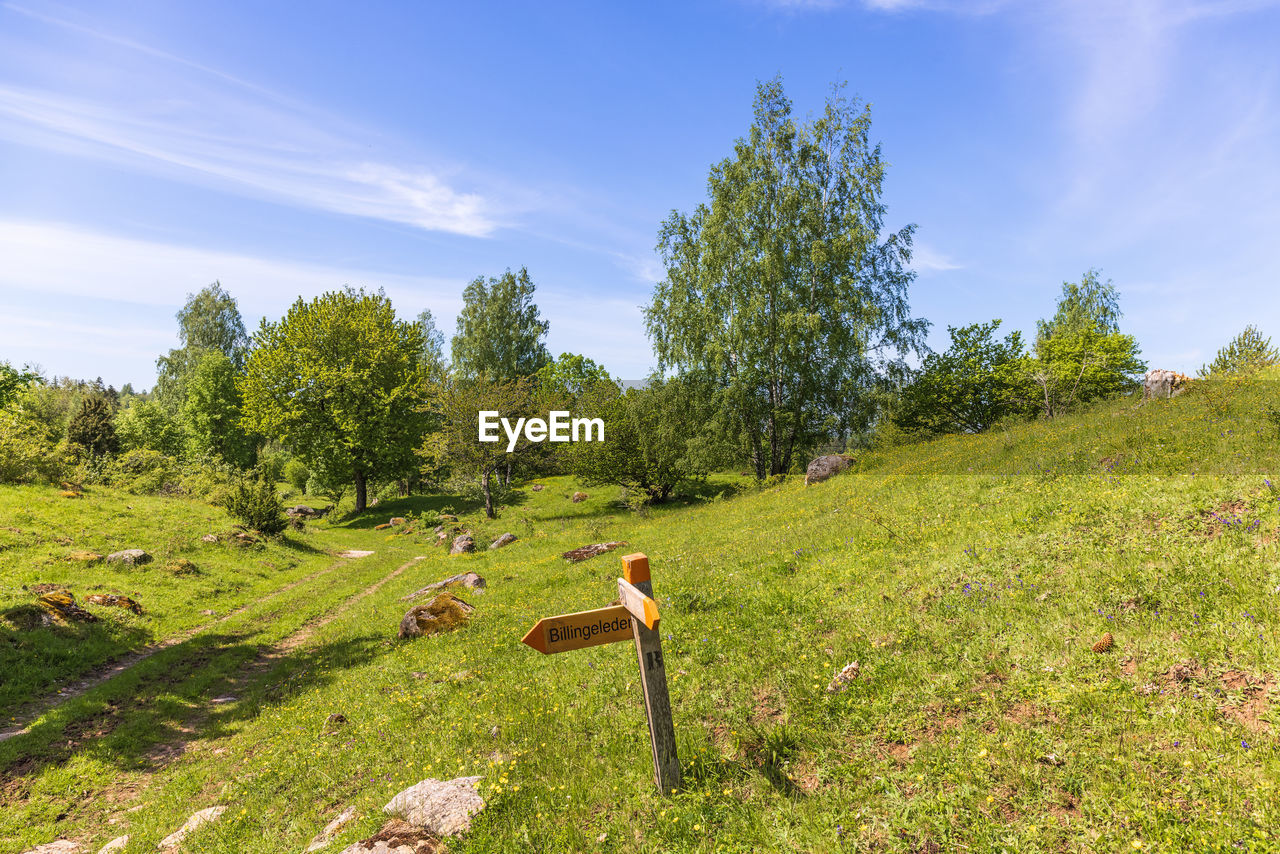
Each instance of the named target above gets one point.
<point>1251,708</point>
<point>1027,713</point>
<point>768,705</point>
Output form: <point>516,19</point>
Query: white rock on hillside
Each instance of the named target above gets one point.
<point>114,845</point>
<point>205,816</point>
<point>440,807</point>
<point>61,846</point>
<point>331,829</point>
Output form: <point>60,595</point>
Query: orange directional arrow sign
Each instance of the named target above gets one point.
<point>641,606</point>
<point>583,629</point>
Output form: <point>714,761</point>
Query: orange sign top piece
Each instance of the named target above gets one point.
<point>641,606</point>
<point>583,629</point>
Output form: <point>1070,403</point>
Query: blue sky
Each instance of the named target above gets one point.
<point>149,148</point>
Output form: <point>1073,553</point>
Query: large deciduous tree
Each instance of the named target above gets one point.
<point>1080,354</point>
<point>456,447</point>
<point>339,380</point>
<point>500,332</point>
<point>209,321</point>
<point>782,287</point>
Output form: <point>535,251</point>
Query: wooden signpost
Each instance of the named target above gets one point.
<point>635,618</point>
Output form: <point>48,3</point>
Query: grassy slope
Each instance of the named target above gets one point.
<point>970,600</point>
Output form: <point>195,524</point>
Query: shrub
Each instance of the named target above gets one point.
<point>297,475</point>
<point>254,503</point>
<point>145,472</point>
<point>26,455</point>
<point>1246,353</point>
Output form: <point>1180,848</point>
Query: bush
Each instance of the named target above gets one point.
<point>26,455</point>
<point>145,472</point>
<point>254,503</point>
<point>297,475</point>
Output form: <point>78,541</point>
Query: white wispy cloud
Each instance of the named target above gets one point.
<point>140,283</point>
<point>926,259</point>
<point>68,261</point>
<point>195,123</point>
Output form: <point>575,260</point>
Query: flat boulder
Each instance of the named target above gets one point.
<point>825,467</point>
<point>332,829</point>
<point>300,511</point>
<point>469,580</point>
<point>60,846</point>
<point>60,603</point>
<point>441,614</point>
<point>129,557</point>
<point>197,820</point>
<point>505,540</point>
<point>112,600</point>
<point>439,807</point>
<point>537,487</point>
<point>461,544</point>
<point>583,552</point>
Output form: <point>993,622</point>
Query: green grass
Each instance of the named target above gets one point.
<point>981,720</point>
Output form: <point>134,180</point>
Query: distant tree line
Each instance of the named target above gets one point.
<point>782,327</point>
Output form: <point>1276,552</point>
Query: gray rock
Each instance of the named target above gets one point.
<point>300,511</point>
<point>129,557</point>
<point>203,817</point>
<point>825,467</point>
<point>332,829</point>
<point>441,614</point>
<point>209,538</point>
<point>61,846</point>
<point>1162,383</point>
<point>462,544</point>
<point>537,487</point>
<point>470,580</point>
<point>117,844</point>
<point>505,540</point>
<point>440,807</point>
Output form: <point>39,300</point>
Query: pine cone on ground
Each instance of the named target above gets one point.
<point>1104,643</point>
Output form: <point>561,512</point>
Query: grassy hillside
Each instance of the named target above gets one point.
<point>969,577</point>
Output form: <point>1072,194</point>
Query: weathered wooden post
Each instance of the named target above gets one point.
<point>636,617</point>
<point>653,671</point>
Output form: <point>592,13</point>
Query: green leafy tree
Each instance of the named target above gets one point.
<point>1081,355</point>
<point>570,376</point>
<point>1087,305</point>
<point>13,382</point>
<point>456,448</point>
<point>339,381</point>
<point>143,424</point>
<point>434,363</point>
<point>500,332</point>
<point>1246,353</point>
<point>656,438</point>
<point>91,428</point>
<point>213,413</point>
<point>209,321</point>
<point>977,381</point>
<point>781,287</point>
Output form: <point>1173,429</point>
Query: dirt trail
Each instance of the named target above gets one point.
<point>166,752</point>
<point>39,708</point>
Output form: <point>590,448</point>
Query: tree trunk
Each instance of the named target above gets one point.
<point>361,491</point>
<point>488,496</point>
<point>507,480</point>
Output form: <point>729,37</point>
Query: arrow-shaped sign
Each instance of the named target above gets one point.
<point>583,629</point>
<point>641,606</point>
